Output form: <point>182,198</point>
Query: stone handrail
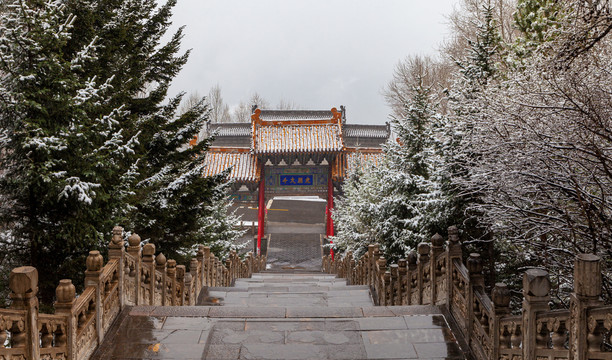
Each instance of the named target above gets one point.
<point>437,275</point>
<point>132,277</point>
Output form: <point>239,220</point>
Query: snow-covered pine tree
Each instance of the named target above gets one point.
<point>402,201</point>
<point>537,21</point>
<point>478,70</point>
<point>60,145</point>
<point>171,197</point>
<point>482,60</point>
<point>353,214</point>
<point>220,228</point>
<point>412,204</point>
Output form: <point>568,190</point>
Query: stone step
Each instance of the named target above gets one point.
<point>280,333</point>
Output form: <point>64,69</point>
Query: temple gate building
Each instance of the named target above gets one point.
<point>291,153</point>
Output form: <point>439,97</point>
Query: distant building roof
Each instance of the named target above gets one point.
<point>366,131</point>
<point>289,115</point>
<point>352,157</point>
<point>273,133</point>
<point>245,166</point>
<point>284,139</point>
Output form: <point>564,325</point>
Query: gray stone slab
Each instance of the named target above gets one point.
<point>345,352</point>
<point>381,323</point>
<point>371,311</point>
<point>222,336</point>
<point>324,312</point>
<point>285,325</point>
<point>142,310</point>
<point>446,350</point>
<point>341,325</point>
<point>323,337</point>
<point>188,323</point>
<point>425,321</point>
<point>415,310</point>
<point>222,352</point>
<point>247,312</point>
<point>142,336</point>
<point>182,311</point>
<point>282,352</point>
<point>390,351</point>
<point>405,336</point>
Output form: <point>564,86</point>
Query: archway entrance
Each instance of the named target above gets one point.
<point>292,153</point>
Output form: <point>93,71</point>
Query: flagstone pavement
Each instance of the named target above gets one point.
<point>282,316</point>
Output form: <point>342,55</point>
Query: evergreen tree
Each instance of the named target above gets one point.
<point>535,19</point>
<point>412,205</point>
<point>354,218</point>
<point>60,144</point>
<point>483,56</point>
<point>219,228</point>
<point>171,197</point>
<point>402,201</point>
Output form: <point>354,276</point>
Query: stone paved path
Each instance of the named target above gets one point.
<point>282,316</point>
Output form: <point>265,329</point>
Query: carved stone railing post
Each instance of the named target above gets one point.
<point>403,281</point>
<point>171,282</point>
<point>587,292</point>
<point>387,291</point>
<point>94,263</point>
<point>227,280</point>
<point>134,250</point>
<point>23,282</point>
<point>349,267</point>
<point>536,287</point>
<point>200,257</point>
<point>180,281</point>
<point>373,253</point>
<point>412,286</point>
<point>353,275</point>
<point>193,270</point>
<point>394,289</point>
<point>116,250</point>
<point>381,267</point>
<point>148,264</point>
<point>207,267</point>
<point>500,296</point>
<point>423,250</point>
<point>476,280</point>
<point>65,294</point>
<point>188,298</point>
<point>249,264</point>
<point>213,270</point>
<point>160,265</point>
<point>437,248</point>
<point>453,252</point>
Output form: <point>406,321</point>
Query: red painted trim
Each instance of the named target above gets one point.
<point>328,210</point>
<point>261,215</point>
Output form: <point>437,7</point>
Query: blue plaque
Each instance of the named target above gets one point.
<point>296,180</point>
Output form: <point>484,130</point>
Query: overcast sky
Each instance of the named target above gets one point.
<point>315,53</point>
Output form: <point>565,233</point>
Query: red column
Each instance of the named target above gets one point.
<point>328,210</point>
<point>261,211</point>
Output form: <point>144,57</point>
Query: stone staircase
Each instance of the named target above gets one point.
<point>297,315</point>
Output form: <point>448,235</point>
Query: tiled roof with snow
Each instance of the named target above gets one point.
<point>366,131</point>
<point>288,115</point>
<point>346,161</point>
<point>244,164</point>
<point>231,129</point>
<point>297,138</point>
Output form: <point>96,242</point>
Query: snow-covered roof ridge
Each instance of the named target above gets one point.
<point>292,115</point>
<point>366,131</point>
<point>245,167</point>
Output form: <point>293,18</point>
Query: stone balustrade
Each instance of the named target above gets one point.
<point>436,275</point>
<point>132,277</point>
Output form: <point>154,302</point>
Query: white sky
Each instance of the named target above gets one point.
<point>316,53</point>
